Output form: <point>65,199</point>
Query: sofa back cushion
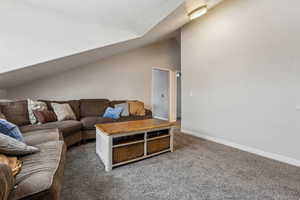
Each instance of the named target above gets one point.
<point>75,105</point>
<point>16,112</point>
<point>93,107</point>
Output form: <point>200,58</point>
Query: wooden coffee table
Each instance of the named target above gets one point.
<point>124,142</point>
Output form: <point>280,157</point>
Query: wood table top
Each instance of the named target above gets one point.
<point>133,126</point>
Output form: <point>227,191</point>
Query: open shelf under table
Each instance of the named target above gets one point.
<point>137,146</point>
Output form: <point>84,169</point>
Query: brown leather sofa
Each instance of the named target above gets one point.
<point>41,176</point>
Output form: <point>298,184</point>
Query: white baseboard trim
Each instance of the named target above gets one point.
<point>162,118</point>
<point>269,155</point>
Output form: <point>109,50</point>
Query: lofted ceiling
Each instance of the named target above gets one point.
<point>40,38</point>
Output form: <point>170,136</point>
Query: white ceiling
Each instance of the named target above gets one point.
<point>41,38</point>
<point>34,31</point>
<point>133,15</point>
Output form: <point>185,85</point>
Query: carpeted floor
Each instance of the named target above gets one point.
<point>198,169</point>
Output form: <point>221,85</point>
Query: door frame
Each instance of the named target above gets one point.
<point>176,94</point>
<point>172,115</point>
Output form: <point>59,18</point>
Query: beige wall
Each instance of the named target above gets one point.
<point>3,94</point>
<point>241,83</point>
<point>124,76</point>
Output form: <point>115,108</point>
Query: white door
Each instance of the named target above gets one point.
<point>160,93</point>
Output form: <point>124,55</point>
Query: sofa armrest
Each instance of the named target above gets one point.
<point>7,181</point>
<point>41,136</point>
<point>148,113</point>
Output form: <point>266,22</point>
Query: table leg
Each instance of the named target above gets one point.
<point>108,164</point>
<point>172,139</point>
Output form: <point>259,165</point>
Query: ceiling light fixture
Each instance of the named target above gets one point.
<point>198,12</point>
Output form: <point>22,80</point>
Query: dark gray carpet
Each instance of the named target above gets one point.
<point>198,169</point>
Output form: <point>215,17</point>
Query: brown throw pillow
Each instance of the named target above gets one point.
<point>12,162</point>
<point>136,108</point>
<point>44,116</point>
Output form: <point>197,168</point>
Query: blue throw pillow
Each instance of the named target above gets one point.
<point>11,130</point>
<point>113,113</point>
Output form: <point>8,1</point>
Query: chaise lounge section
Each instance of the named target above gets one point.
<point>42,173</point>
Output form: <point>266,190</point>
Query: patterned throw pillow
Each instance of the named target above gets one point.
<point>136,108</point>
<point>11,130</point>
<point>44,116</point>
<point>35,105</point>
<point>12,147</point>
<point>63,111</point>
<point>124,106</point>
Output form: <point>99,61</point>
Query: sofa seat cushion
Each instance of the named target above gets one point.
<point>66,127</point>
<point>89,123</point>
<point>42,136</point>
<point>40,172</point>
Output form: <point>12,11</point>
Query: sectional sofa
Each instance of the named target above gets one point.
<point>88,113</point>
<point>41,176</point>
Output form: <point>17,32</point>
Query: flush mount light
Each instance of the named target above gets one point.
<point>198,12</point>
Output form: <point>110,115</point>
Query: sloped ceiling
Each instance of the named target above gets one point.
<point>40,38</point>
<point>35,31</point>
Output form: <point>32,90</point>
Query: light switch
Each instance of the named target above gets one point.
<point>298,107</point>
<point>191,94</point>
